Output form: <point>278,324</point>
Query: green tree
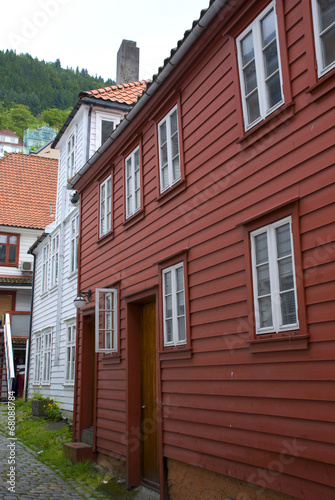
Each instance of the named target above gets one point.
<point>55,118</point>
<point>21,118</point>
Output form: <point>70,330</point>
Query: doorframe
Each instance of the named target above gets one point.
<point>134,303</point>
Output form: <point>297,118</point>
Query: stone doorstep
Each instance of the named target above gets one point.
<point>78,452</point>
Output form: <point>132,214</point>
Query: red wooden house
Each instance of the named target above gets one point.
<point>205,361</point>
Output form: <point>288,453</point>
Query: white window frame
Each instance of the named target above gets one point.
<point>277,325</point>
<point>105,204</point>
<point>71,155</point>
<point>322,69</point>
<point>169,164</point>
<point>100,117</point>
<point>45,267</point>
<point>46,356</point>
<point>133,188</point>
<point>175,341</point>
<point>54,260</point>
<point>70,353</point>
<point>38,358</point>
<point>105,316</point>
<point>255,28</point>
<point>74,243</point>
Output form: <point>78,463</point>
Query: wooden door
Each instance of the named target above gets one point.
<point>149,434</point>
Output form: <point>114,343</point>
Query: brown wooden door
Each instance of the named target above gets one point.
<point>149,435</point>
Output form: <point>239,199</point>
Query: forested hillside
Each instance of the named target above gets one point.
<point>41,85</point>
<point>34,92</point>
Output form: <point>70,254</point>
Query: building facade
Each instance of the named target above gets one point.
<point>205,358</point>
<point>10,142</point>
<point>28,188</point>
<point>53,342</point>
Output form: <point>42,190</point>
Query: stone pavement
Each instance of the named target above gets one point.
<point>31,479</point>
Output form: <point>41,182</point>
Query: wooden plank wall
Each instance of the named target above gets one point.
<point>225,408</point>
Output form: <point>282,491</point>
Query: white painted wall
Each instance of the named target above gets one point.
<point>54,308</point>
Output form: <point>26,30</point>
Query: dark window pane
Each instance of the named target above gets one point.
<point>274,90</point>
<point>326,13</point>
<point>328,47</point>
<point>270,59</point>
<point>253,107</point>
<point>107,128</point>
<point>2,253</point>
<point>288,308</point>
<point>247,48</point>
<point>265,313</point>
<point>283,241</point>
<point>12,255</point>
<point>268,28</point>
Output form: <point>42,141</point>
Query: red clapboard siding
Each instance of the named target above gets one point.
<point>225,407</point>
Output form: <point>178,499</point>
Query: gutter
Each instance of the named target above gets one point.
<point>180,52</point>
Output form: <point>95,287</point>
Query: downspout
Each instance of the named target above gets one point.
<point>88,138</point>
<point>30,330</point>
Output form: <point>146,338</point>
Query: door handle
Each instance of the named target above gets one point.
<point>143,407</point>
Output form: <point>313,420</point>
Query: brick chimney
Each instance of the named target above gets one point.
<point>128,58</point>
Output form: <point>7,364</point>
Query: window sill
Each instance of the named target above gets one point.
<point>323,85</point>
<point>267,126</point>
<point>133,219</point>
<point>171,192</point>
<point>68,385</point>
<point>175,353</point>
<point>111,359</point>
<point>105,239</point>
<point>279,342</point>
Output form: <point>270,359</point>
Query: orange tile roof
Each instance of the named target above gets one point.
<point>28,187</point>
<point>125,93</point>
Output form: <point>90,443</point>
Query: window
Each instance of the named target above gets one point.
<point>45,268</point>
<point>259,68</point>
<point>105,206</point>
<point>9,249</point>
<point>324,34</point>
<point>46,357</point>
<point>174,305</point>
<point>70,353</point>
<point>106,320</point>
<point>133,193</point>
<point>71,156</point>
<point>274,282</point>
<point>74,244</point>
<point>54,259</point>
<point>107,128</point>
<point>38,362</point>
<point>169,156</point>
<point>42,367</point>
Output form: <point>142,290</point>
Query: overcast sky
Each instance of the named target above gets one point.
<point>88,34</point>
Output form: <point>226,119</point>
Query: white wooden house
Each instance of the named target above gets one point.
<point>28,189</point>
<point>53,340</point>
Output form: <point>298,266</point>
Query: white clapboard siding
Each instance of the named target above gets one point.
<point>54,308</point>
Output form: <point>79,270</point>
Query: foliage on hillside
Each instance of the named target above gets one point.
<point>42,85</point>
<point>34,93</point>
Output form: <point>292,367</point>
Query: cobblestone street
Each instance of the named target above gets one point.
<point>32,478</point>
<point>35,480</point>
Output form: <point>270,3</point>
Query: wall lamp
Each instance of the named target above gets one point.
<point>80,301</point>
